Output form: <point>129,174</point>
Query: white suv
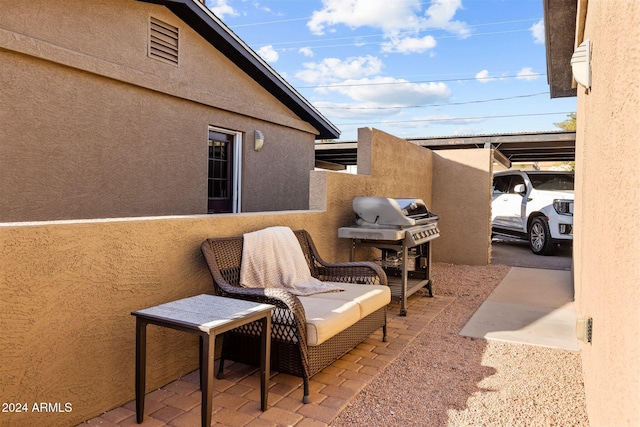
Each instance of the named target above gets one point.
<point>533,205</point>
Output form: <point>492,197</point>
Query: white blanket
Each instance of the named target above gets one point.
<point>273,258</point>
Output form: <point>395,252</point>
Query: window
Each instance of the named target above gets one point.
<point>505,183</point>
<point>501,184</point>
<point>552,182</point>
<point>515,180</point>
<point>223,176</point>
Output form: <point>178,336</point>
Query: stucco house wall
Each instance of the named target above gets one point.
<point>606,236</point>
<point>93,127</point>
<point>68,287</point>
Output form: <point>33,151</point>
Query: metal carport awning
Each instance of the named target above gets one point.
<point>509,148</point>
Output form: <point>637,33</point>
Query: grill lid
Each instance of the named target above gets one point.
<point>385,212</point>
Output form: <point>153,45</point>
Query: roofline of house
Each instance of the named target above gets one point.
<point>211,28</point>
<point>560,28</point>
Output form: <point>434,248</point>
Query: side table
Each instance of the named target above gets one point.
<point>206,316</point>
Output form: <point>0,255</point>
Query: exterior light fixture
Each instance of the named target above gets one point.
<point>581,64</point>
<point>258,141</point>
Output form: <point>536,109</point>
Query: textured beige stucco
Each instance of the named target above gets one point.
<point>68,288</point>
<point>92,127</point>
<point>606,236</point>
<point>383,162</point>
<point>462,198</point>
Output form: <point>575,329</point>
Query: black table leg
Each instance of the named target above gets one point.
<point>141,368</point>
<point>200,356</point>
<point>265,362</point>
<point>206,376</point>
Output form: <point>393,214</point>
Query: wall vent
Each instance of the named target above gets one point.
<point>163,41</point>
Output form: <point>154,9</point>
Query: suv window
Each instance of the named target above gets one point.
<point>515,180</point>
<point>506,183</point>
<point>552,182</point>
<point>501,184</point>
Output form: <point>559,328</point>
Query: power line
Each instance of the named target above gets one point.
<point>443,119</point>
<point>437,105</point>
<point>280,21</point>
<point>420,81</point>
<point>356,43</point>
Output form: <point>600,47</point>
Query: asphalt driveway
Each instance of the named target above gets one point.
<point>516,253</point>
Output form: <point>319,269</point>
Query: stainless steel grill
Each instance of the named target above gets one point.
<point>387,212</point>
<point>402,229</point>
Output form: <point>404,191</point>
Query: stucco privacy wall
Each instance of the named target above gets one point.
<point>92,127</point>
<point>387,167</point>
<point>455,184</point>
<point>68,288</point>
<point>607,244</point>
<point>67,291</point>
<point>462,197</point>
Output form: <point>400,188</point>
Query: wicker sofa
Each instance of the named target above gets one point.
<point>299,345</point>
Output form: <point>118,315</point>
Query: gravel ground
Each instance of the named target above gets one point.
<point>443,379</point>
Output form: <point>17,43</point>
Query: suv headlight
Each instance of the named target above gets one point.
<point>563,207</point>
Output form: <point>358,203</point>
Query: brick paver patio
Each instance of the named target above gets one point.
<point>236,401</point>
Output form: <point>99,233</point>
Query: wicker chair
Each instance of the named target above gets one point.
<point>290,353</point>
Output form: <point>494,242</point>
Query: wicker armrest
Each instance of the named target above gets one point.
<point>364,272</point>
<point>353,272</point>
<point>280,298</point>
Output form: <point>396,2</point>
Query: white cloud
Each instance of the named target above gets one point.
<point>483,76</point>
<point>442,119</point>
<point>467,129</point>
<point>389,91</point>
<point>452,120</point>
<point>391,17</point>
<point>353,111</point>
<point>409,45</point>
<point>221,9</point>
<point>261,7</point>
<point>527,73</point>
<point>441,13</point>
<point>306,51</point>
<point>537,31</point>
<point>334,69</point>
<point>386,15</point>
<point>268,53</point>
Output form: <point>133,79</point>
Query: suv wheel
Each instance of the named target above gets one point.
<point>540,237</point>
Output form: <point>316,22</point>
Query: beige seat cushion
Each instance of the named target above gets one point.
<point>369,297</point>
<point>328,317</point>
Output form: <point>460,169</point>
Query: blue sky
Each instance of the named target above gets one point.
<point>408,67</point>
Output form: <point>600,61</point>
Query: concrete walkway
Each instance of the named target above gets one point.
<point>236,401</point>
<point>530,306</point>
